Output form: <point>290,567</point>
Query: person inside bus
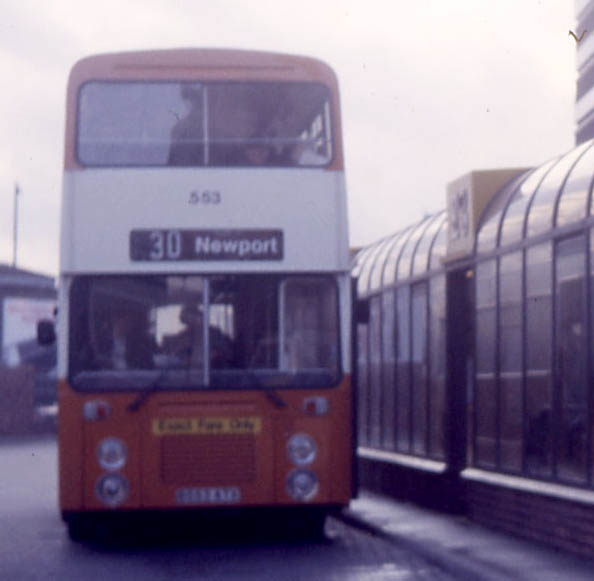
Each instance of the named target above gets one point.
<point>187,135</point>
<point>189,343</point>
<point>263,147</point>
<point>305,153</point>
<point>132,346</point>
<point>257,154</point>
<point>251,153</point>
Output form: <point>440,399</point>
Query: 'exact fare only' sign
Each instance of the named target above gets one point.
<point>167,245</point>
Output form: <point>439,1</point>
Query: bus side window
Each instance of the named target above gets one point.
<point>309,334</point>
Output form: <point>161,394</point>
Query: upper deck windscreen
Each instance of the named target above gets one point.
<point>204,124</point>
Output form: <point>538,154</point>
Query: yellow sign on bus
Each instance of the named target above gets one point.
<point>211,426</point>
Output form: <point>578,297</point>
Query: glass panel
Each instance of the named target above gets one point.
<point>486,426</point>
<point>485,284</point>
<point>486,335</point>
<point>539,394</point>
<point>361,260</point>
<point>358,261</point>
<point>309,333</point>
<point>573,202</point>
<point>540,218</point>
<point>389,275</point>
<point>515,214</point>
<point>510,414</point>
<point>403,367</point>
<point>187,136</point>
<point>421,262</point>
<point>511,351</point>
<point>419,368</point>
<point>437,367</point>
<point>196,124</point>
<point>388,369</point>
<point>486,331</point>
<point>539,430</point>
<point>489,226</point>
<point>379,263</point>
<point>510,300</point>
<point>439,247</point>
<point>571,358</point>
<point>280,124</point>
<point>405,262</point>
<point>364,275</point>
<point>132,123</point>
<point>375,375</point>
<point>363,383</point>
<point>137,332</point>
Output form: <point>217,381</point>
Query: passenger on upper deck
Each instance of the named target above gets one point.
<point>304,153</point>
<point>187,135</point>
<point>257,154</point>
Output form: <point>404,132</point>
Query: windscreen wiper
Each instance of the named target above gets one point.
<point>276,399</point>
<point>251,378</point>
<point>152,386</point>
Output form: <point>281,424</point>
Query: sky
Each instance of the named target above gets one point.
<point>430,90</point>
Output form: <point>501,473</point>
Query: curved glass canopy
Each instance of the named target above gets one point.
<point>413,251</point>
<point>554,195</point>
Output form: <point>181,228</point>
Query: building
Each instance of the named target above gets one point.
<point>27,369</point>
<point>474,343</point>
<point>584,106</point>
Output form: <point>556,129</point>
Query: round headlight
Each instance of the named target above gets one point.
<point>302,449</point>
<point>113,489</point>
<point>302,484</point>
<point>112,454</point>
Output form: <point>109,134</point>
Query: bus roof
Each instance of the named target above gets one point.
<point>206,64</point>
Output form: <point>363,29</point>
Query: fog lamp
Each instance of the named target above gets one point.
<point>112,454</point>
<point>113,489</point>
<point>302,449</point>
<point>302,484</point>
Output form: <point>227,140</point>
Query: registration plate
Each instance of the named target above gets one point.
<point>208,495</point>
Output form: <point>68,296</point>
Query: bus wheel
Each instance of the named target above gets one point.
<point>78,530</point>
<point>309,525</point>
<point>90,528</point>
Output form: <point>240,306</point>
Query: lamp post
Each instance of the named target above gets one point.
<point>15,224</point>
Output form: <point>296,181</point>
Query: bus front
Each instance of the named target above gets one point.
<point>204,301</point>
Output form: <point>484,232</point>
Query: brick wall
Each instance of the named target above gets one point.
<point>558,522</point>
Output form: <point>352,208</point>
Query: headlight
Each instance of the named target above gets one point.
<point>302,484</point>
<point>112,454</point>
<point>113,489</point>
<point>302,449</point>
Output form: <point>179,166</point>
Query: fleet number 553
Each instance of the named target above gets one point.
<point>204,197</point>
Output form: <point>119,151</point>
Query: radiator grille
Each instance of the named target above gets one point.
<point>220,459</point>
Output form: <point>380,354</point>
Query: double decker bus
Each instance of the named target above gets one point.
<point>204,297</point>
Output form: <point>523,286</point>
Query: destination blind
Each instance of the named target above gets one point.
<point>171,245</point>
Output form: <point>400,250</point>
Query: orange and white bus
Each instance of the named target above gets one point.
<point>204,331</point>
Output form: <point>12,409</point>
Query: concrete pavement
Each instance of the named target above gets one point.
<point>463,548</point>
